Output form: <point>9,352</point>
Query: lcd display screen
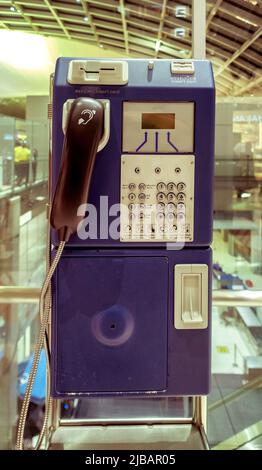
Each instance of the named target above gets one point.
<point>158,121</point>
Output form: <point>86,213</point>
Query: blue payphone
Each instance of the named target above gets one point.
<point>131,190</point>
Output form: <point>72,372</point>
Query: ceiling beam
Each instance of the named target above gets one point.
<point>124,24</point>
<point>213,13</point>
<point>55,15</point>
<point>252,84</point>
<point>20,10</point>
<point>3,25</point>
<point>239,51</point>
<point>246,15</point>
<point>91,22</point>
<point>161,25</point>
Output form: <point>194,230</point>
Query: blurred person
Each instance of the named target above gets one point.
<point>34,163</point>
<point>22,155</point>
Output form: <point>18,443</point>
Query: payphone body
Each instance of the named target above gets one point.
<point>131,307</point>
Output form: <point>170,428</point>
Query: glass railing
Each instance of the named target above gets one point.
<point>23,198</point>
<point>235,400</point>
<point>23,154</point>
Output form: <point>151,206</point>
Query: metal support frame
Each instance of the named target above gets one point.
<point>161,25</point>
<point>92,25</point>
<point>239,51</point>
<point>249,86</point>
<point>199,29</point>
<point>213,13</point>
<point>124,24</point>
<point>56,17</point>
<point>220,298</point>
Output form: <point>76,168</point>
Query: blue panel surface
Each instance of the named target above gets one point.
<point>111,329</point>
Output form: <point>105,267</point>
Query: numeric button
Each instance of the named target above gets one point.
<point>131,196</point>
<point>161,187</point>
<point>160,197</point>
<point>181,207</point>
<point>161,207</point>
<point>171,197</point>
<point>171,187</point>
<point>171,207</point>
<point>141,196</point>
<point>170,217</point>
<point>181,187</point>
<point>181,197</point>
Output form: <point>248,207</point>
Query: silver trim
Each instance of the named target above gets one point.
<point>135,437</point>
<point>97,72</point>
<point>250,298</point>
<point>13,294</point>
<point>243,437</point>
<point>123,421</point>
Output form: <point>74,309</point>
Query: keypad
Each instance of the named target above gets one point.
<point>157,198</point>
<point>167,213</point>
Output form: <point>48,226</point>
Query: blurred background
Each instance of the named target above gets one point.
<point>32,35</point>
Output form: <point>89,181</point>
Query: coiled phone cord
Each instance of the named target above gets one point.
<point>44,309</point>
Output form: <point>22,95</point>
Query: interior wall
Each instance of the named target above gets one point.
<point>27,60</point>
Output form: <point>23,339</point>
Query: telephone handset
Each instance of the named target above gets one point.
<point>84,130</point>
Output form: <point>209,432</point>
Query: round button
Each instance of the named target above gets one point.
<point>181,218</point>
<point>170,217</point>
<point>131,207</point>
<point>132,186</point>
<point>161,186</point>
<point>181,187</point>
<point>181,207</point>
<point>141,196</point>
<point>132,216</point>
<point>171,186</point>
<point>171,197</point>
<point>171,207</point>
<point>131,196</point>
<point>160,197</point>
<point>161,207</point>
<point>142,186</point>
<point>160,216</point>
<point>142,206</point>
<point>181,197</point>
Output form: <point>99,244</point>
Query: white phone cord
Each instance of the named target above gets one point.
<point>44,309</point>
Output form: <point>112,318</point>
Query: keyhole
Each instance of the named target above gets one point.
<point>113,326</point>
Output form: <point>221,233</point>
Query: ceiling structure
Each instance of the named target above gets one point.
<point>155,29</point>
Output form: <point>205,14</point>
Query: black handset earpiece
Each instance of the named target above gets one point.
<point>82,136</point>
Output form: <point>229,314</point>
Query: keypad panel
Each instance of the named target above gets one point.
<point>157,198</point>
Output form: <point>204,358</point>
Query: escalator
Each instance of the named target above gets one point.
<point>231,417</point>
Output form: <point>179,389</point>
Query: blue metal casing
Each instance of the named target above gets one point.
<point>113,329</point>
